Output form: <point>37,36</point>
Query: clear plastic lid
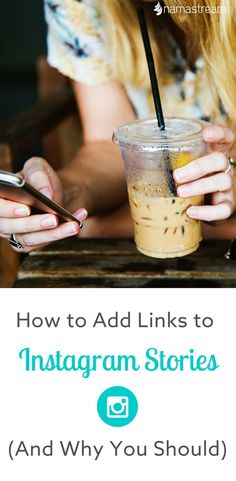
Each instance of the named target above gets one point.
<point>146,133</point>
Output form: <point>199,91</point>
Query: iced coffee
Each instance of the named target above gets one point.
<point>162,226</point>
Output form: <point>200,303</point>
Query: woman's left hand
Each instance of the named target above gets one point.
<point>208,176</point>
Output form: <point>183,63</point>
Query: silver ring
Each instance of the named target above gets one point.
<point>231,164</point>
<point>14,242</point>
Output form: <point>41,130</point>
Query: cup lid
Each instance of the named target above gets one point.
<point>146,132</point>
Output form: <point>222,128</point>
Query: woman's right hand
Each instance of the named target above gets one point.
<point>35,231</point>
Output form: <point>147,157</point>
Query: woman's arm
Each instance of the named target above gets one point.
<point>95,178</point>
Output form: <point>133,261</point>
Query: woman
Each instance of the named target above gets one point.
<point>98,45</point>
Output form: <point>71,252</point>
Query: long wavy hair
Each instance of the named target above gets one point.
<point>213,35</point>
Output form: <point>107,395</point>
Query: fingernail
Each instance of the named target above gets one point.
<point>47,192</point>
<point>81,214</point>
<point>49,222</point>
<point>185,190</point>
<point>192,212</point>
<point>210,133</point>
<point>71,228</point>
<point>22,211</point>
<point>180,174</point>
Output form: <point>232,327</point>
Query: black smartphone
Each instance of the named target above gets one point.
<point>13,187</point>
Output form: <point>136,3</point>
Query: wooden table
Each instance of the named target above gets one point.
<point>116,263</point>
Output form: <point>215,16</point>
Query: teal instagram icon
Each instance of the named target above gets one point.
<point>117,406</point>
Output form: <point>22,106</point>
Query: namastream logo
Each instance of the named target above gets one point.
<point>158,9</point>
<point>188,9</point>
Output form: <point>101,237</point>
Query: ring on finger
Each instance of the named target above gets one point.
<point>231,164</point>
<point>14,243</point>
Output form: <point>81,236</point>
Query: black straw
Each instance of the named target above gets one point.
<point>151,67</point>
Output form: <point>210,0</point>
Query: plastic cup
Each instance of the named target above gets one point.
<point>162,227</point>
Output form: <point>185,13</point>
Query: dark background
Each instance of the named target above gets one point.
<point>22,41</point>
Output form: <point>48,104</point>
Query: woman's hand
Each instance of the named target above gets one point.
<point>34,231</point>
<point>208,176</point>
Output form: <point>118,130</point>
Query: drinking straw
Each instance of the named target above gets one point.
<point>151,67</point>
<point>156,96</point>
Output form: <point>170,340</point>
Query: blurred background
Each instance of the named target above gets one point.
<point>22,42</point>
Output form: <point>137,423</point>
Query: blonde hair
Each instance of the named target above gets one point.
<point>211,34</point>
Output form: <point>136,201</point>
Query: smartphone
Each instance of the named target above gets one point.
<point>13,187</point>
